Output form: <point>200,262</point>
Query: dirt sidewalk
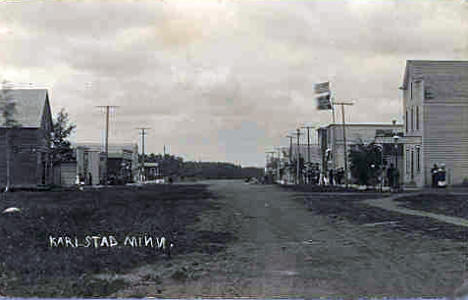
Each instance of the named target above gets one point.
<point>389,204</point>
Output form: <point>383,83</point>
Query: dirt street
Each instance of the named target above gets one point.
<point>284,249</point>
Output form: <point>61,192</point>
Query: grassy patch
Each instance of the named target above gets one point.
<point>31,267</point>
<point>440,203</point>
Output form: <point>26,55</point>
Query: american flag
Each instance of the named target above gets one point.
<point>321,88</point>
<point>323,102</point>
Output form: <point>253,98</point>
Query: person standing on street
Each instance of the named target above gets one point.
<point>391,176</point>
<point>434,172</point>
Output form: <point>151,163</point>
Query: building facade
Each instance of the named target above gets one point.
<point>435,102</point>
<point>122,164</point>
<point>25,149</point>
<point>331,140</point>
<point>331,143</point>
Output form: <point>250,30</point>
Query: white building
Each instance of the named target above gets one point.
<point>435,102</point>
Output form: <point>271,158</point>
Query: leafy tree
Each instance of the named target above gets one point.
<point>8,106</point>
<point>61,149</point>
<point>365,160</point>
<point>8,109</point>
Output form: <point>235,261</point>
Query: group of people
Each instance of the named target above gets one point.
<point>335,176</point>
<point>390,177</point>
<point>438,176</point>
<point>332,177</point>
<point>313,175</point>
<point>84,180</point>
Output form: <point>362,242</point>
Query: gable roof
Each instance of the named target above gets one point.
<point>442,79</point>
<point>30,106</point>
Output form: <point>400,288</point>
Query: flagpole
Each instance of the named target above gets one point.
<point>326,103</point>
<point>334,135</point>
<point>345,151</point>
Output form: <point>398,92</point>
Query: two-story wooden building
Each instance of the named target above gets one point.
<point>435,102</point>
<point>25,149</point>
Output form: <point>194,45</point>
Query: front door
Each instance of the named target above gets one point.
<point>412,165</point>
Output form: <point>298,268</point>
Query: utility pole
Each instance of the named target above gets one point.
<point>142,163</point>
<point>308,148</point>
<point>107,108</point>
<point>345,151</point>
<point>298,132</point>
<point>334,134</point>
<point>290,153</point>
<point>278,165</point>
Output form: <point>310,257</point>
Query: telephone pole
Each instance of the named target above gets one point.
<point>298,132</point>
<point>333,133</point>
<point>142,161</point>
<point>107,108</point>
<point>308,149</point>
<point>290,154</point>
<point>278,165</point>
<point>345,151</point>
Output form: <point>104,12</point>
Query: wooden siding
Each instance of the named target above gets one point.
<point>303,150</point>
<point>446,139</point>
<point>65,174</point>
<point>413,104</point>
<point>442,98</point>
<point>26,148</point>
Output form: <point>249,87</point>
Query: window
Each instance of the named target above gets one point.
<point>417,117</point>
<point>411,91</point>
<point>412,119</point>
<point>412,164</point>
<point>428,93</point>
<point>407,158</point>
<point>406,121</point>
<point>418,159</point>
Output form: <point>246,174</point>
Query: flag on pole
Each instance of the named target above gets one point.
<point>323,102</point>
<point>321,88</point>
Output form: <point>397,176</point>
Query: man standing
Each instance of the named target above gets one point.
<point>391,176</point>
<point>434,172</point>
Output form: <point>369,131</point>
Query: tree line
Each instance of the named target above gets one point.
<point>171,165</point>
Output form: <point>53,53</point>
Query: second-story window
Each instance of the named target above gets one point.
<point>418,159</point>
<point>417,117</point>
<point>411,91</point>
<point>406,121</point>
<point>412,119</point>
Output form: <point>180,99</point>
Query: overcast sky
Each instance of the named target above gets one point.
<point>222,80</point>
